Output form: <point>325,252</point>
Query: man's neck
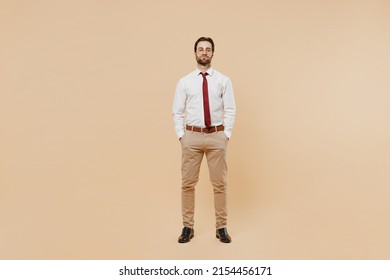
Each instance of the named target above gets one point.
<point>204,68</point>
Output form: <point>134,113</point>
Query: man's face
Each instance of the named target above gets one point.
<point>204,53</point>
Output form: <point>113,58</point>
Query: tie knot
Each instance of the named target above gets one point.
<point>204,74</point>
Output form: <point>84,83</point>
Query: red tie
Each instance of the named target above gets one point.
<point>206,106</point>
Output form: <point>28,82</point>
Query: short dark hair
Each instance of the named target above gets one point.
<point>208,39</point>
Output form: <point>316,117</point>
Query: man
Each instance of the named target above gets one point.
<point>204,111</point>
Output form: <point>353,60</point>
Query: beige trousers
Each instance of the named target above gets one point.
<point>194,146</point>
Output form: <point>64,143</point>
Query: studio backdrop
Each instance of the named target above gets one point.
<point>89,160</point>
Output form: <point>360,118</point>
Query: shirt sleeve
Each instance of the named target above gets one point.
<point>229,106</point>
<point>179,103</point>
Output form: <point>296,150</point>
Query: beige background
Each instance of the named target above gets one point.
<point>89,162</point>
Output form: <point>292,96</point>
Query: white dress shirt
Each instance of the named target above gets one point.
<point>188,101</point>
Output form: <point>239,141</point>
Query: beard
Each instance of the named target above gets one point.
<point>203,60</point>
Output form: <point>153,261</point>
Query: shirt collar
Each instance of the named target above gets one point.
<point>209,71</point>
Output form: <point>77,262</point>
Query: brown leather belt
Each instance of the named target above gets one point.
<point>210,129</point>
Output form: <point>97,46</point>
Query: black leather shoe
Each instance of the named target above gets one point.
<point>223,235</point>
<point>186,235</point>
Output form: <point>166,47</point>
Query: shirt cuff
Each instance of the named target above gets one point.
<point>180,134</point>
